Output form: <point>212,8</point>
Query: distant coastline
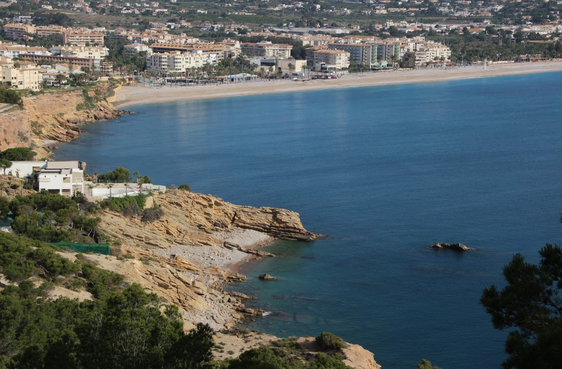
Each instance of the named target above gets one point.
<point>140,95</point>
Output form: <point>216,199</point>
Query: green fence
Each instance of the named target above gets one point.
<point>96,248</point>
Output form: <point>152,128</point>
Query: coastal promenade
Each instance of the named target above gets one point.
<point>140,95</point>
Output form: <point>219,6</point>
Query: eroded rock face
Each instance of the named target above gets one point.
<point>451,246</point>
<point>193,218</point>
<point>51,118</point>
<point>279,223</point>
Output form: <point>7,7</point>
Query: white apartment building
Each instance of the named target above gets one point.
<point>13,51</point>
<point>432,51</point>
<point>331,59</point>
<point>175,61</point>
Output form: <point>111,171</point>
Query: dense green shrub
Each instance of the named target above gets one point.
<point>43,201</point>
<point>152,214</point>
<point>9,96</point>
<point>329,341</point>
<point>185,187</point>
<point>125,204</point>
<point>269,358</point>
<point>52,218</point>
<point>18,154</point>
<point>119,175</point>
<point>20,258</point>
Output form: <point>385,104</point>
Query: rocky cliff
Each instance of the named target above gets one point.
<point>195,244</point>
<point>200,220</point>
<point>51,117</point>
<point>188,255</point>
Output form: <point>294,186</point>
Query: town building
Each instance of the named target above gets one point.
<point>174,61</point>
<point>83,38</point>
<point>57,59</point>
<point>87,52</point>
<point>210,53</point>
<point>23,76</point>
<point>267,49</point>
<point>13,51</point>
<point>18,31</point>
<point>359,54</point>
<point>331,59</point>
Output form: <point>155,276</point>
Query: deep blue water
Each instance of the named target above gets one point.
<point>384,172</point>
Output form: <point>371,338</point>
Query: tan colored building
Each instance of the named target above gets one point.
<point>290,65</point>
<point>87,52</point>
<point>267,50</point>
<point>57,59</point>
<point>26,76</point>
<point>331,59</point>
<point>44,31</point>
<point>81,38</point>
<point>209,53</point>
<point>18,31</point>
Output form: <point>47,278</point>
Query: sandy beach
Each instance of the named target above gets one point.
<point>140,95</point>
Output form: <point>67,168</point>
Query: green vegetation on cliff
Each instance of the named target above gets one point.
<point>122,327</point>
<point>9,96</point>
<point>116,325</point>
<point>53,218</point>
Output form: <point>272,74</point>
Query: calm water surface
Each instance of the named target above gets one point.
<point>384,172</point>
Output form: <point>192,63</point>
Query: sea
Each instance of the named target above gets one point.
<point>382,172</point>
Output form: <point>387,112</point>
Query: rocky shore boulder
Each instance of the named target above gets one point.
<point>267,277</point>
<point>451,246</point>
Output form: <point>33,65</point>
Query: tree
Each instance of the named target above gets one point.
<point>18,154</point>
<point>119,175</point>
<point>530,303</point>
<point>5,163</point>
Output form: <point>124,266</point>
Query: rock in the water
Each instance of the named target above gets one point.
<point>267,277</point>
<point>451,246</point>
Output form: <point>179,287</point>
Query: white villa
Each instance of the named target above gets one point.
<point>67,178</point>
<point>62,177</point>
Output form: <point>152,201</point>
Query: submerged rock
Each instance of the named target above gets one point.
<point>451,246</point>
<point>267,277</point>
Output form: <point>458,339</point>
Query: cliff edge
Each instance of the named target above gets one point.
<point>48,118</point>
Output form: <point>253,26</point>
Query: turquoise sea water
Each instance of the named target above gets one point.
<point>383,172</point>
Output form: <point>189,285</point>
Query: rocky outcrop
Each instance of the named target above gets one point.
<point>194,219</point>
<point>52,117</point>
<point>355,356</point>
<point>451,246</point>
<point>267,277</point>
<point>279,223</point>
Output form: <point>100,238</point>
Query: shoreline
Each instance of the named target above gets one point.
<point>139,95</point>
